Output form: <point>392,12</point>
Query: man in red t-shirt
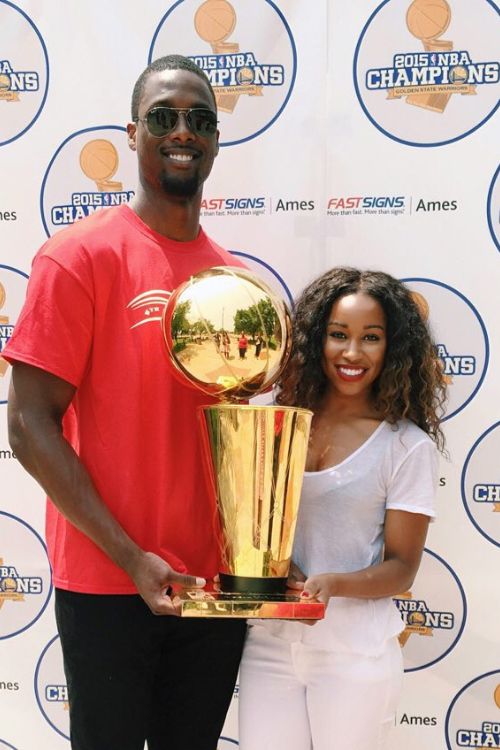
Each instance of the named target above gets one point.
<point>97,418</point>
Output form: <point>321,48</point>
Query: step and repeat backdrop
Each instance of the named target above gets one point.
<point>352,133</point>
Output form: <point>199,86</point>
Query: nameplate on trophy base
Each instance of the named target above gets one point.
<point>205,603</point>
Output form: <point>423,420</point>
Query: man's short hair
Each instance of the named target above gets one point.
<point>169,62</point>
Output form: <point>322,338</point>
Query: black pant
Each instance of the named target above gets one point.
<point>134,676</point>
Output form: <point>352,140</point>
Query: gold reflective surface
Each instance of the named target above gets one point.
<point>227,333</point>
<point>202,603</point>
<point>257,457</point>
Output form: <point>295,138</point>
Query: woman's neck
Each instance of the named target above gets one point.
<point>347,407</point>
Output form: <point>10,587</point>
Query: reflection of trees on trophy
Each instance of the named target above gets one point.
<point>180,324</point>
<point>215,21</point>
<point>99,161</point>
<point>259,320</point>
<point>427,20</point>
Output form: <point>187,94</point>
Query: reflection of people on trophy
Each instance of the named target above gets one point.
<point>259,342</point>
<point>363,360</point>
<point>242,345</point>
<point>195,330</point>
<point>226,344</point>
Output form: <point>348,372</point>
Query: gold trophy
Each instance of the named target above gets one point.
<point>228,334</point>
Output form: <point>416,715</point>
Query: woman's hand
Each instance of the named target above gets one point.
<point>320,587</point>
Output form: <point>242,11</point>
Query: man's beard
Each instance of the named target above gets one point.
<point>180,187</point>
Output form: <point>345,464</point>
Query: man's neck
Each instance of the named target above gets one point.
<point>175,218</point>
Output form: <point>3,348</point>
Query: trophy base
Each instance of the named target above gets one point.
<point>205,603</point>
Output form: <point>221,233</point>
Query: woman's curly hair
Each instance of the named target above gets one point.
<point>411,384</point>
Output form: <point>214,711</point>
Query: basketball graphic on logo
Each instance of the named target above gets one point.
<point>245,75</point>
<point>9,585</point>
<point>428,19</point>
<point>416,618</point>
<point>4,82</point>
<point>99,159</point>
<point>496,696</point>
<point>421,303</point>
<point>215,20</point>
<point>458,74</point>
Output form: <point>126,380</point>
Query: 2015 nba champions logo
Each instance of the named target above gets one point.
<point>50,688</point>
<point>252,73</point>
<point>92,169</point>
<point>426,72</point>
<point>25,585</point>
<point>24,72</point>
<point>481,485</point>
<point>473,718</point>
<point>462,343</point>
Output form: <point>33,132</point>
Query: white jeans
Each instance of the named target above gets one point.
<point>296,697</point>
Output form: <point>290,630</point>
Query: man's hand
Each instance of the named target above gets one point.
<point>154,579</point>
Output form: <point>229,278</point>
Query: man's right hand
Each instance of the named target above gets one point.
<point>154,577</point>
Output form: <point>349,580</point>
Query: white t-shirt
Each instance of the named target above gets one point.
<point>340,528</point>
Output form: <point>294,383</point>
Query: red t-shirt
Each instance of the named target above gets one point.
<point>93,317</point>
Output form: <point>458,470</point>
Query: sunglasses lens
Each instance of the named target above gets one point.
<point>161,120</point>
<point>202,121</point>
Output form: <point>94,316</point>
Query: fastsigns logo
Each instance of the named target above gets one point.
<point>425,70</point>
<point>99,166</point>
<point>358,205</point>
<point>24,72</point>
<point>233,206</point>
<point>252,75</point>
<point>434,613</point>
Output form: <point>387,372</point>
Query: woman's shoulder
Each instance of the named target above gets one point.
<point>404,436</point>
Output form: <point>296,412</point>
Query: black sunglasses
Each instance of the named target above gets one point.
<point>161,121</point>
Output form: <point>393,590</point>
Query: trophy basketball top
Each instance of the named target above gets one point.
<point>227,333</point>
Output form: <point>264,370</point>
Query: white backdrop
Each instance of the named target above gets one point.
<point>355,133</point>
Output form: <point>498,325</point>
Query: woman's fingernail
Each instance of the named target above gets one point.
<point>305,594</point>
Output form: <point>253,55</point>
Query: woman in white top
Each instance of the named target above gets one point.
<point>363,360</point>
